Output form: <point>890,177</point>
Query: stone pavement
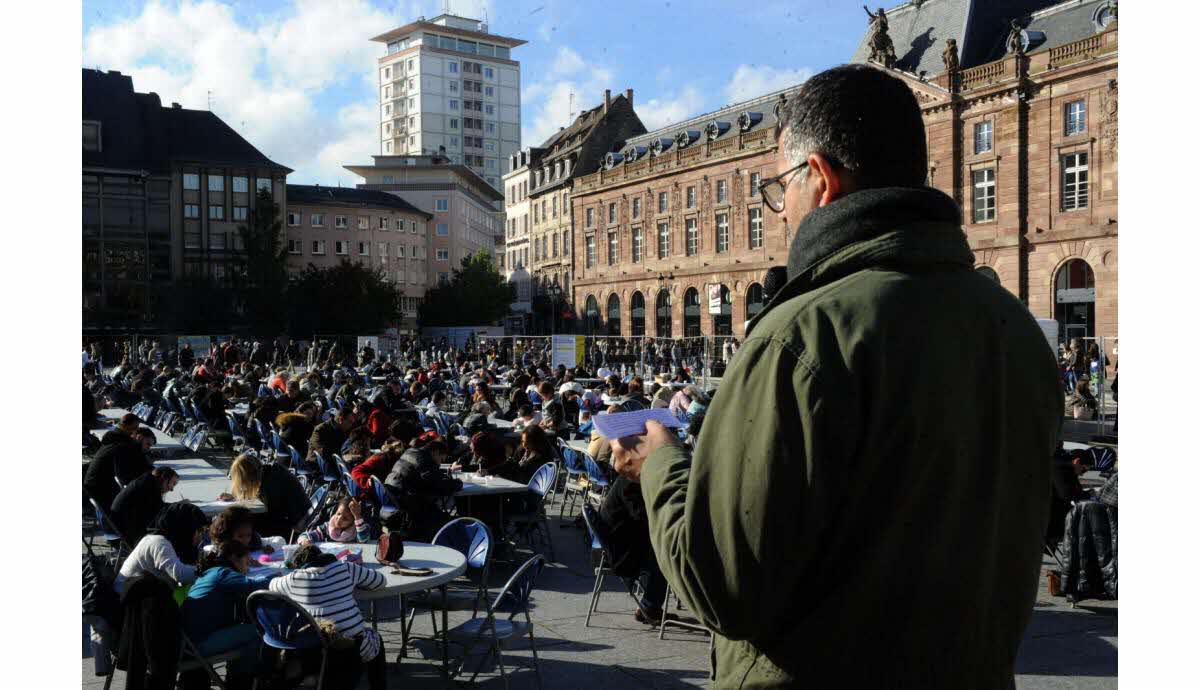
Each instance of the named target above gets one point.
<point>1063,648</point>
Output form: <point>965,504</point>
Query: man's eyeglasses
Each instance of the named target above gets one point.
<point>773,189</point>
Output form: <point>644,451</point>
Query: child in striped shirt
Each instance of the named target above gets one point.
<point>346,525</point>
<point>325,586</point>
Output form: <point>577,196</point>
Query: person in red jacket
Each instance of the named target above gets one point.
<point>375,419</point>
<point>400,435</point>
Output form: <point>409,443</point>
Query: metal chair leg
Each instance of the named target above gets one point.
<point>537,667</point>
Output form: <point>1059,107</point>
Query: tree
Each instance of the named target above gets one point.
<point>193,304</point>
<point>260,275</point>
<point>475,295</point>
<point>346,299</point>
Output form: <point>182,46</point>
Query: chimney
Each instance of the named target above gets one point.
<point>176,106</point>
<point>629,96</point>
<point>115,73</point>
<point>607,98</point>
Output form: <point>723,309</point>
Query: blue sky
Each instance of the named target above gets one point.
<point>295,77</point>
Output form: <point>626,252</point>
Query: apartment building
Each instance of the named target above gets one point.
<point>448,86</point>
<point>465,210</point>
<point>327,225</point>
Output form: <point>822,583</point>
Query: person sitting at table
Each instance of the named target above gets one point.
<point>325,587</point>
<point>347,524</point>
<point>533,452</point>
<point>292,398</point>
<point>379,465</point>
<point>170,551</point>
<point>553,416</point>
<point>375,420</point>
<point>137,506</point>
<point>1083,404</point>
<point>526,416</point>
<point>212,616</point>
<point>329,436</point>
<point>122,455</point>
<point>236,523</point>
<point>625,532</point>
<point>634,391</point>
<point>279,490</point>
<point>295,428</point>
<point>487,456</point>
<point>484,394</point>
<point>598,446</point>
<point>418,485</point>
<point>392,398</point>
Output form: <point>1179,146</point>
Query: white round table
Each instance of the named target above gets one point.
<point>445,562</point>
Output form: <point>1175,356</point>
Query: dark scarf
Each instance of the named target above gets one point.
<point>862,215</point>
<point>178,522</point>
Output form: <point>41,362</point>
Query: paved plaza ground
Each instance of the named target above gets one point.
<point>1063,648</point>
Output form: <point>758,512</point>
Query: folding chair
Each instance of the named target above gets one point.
<point>597,480</point>
<point>387,506</point>
<point>576,474</point>
<point>513,599</point>
<point>191,659</point>
<point>283,624</point>
<point>317,502</point>
<point>602,569</point>
<point>112,534</point>
<point>352,486</point>
<point>527,523</point>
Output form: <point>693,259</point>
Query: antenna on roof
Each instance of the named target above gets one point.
<point>210,100</point>
<point>571,107</point>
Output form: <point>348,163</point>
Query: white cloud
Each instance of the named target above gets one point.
<point>660,112</point>
<point>567,62</point>
<point>751,81</point>
<point>266,81</point>
<point>547,104</point>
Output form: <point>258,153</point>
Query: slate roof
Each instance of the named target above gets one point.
<point>302,194</point>
<point>919,29</point>
<point>138,133</point>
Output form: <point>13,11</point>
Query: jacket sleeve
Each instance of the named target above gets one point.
<point>734,527</point>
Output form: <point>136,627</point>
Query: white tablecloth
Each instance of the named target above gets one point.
<point>201,483</point>
<point>445,562</point>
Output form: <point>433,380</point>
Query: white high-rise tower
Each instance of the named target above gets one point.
<point>448,86</point>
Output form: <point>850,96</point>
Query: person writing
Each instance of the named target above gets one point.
<point>836,489</point>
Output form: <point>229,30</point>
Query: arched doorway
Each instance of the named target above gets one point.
<point>662,314</point>
<point>754,301</point>
<point>1075,300</point>
<point>614,314</point>
<point>591,315</point>
<point>987,272</point>
<point>637,315</point>
<point>723,322</point>
<point>691,313</point>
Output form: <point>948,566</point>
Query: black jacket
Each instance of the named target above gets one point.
<point>119,456</point>
<point>327,439</point>
<point>285,500</point>
<point>1090,544</point>
<point>624,529</point>
<point>136,506</point>
<point>416,483</point>
<point>150,640</point>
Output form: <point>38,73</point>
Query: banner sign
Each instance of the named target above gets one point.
<point>714,299</point>
<point>567,350</point>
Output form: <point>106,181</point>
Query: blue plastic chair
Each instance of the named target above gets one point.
<point>329,473</point>
<point>525,524</point>
<point>284,624</point>
<point>387,506</point>
<point>575,470</point>
<point>472,539</point>
<point>352,486</point>
<point>513,600</point>
<point>1103,459</point>
<point>602,568</point>
<point>109,531</point>
<point>596,475</point>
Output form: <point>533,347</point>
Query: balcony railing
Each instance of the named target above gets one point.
<point>1074,52</point>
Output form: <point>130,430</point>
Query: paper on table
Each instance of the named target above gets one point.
<point>622,424</point>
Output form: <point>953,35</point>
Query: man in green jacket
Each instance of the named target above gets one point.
<point>867,499</point>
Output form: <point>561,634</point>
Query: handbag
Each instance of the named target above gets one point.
<point>390,548</point>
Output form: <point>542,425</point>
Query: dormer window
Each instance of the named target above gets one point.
<point>634,152</point>
<point>715,129</point>
<point>748,119</point>
<point>778,106</point>
<point>659,145</point>
<point>686,137</point>
<point>612,159</point>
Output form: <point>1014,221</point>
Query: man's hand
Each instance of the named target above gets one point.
<point>630,452</point>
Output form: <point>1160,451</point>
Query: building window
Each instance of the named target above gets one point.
<point>1074,181</point>
<point>454,104</point>
<point>612,213</point>
<point>489,109</point>
<point>364,222</point>
<point>453,67</point>
<point>590,251</point>
<point>339,221</point>
<point>294,247</point>
<point>216,183</point>
<point>662,314</point>
<point>400,251</point>
<point>983,136</point>
<point>318,247</point>
<point>664,239</point>
<point>691,237</point>
<point>191,210</point>
<point>317,220</point>
<point>240,212</point>
<point>756,228</point>
<point>443,229</point>
<point>491,128</point>
<point>662,202</point>
<point>613,250</point>
<point>1076,118</point>
<point>263,184</point>
<point>383,223</point>
<point>489,91</point>
<point>554,207</point>
<point>91,136</point>
<point>984,197</point>
<point>565,245</point>
<point>191,240</point>
<point>191,181</point>
<point>216,213</point>
<point>489,73</point>
<point>754,300</point>
<point>722,192</point>
<point>453,86</point>
<point>691,197</point>
<point>441,204</point>
<point>722,232</point>
<point>754,180</point>
<point>443,277</point>
<point>364,248</point>
<point>293,219</point>
<point>590,217</point>
<point>412,65</point>
<point>554,244</point>
<point>454,123</point>
<point>637,246</point>
<point>216,240</point>
<point>443,255</point>
<point>637,208</point>
<point>241,184</point>
<point>399,225</point>
<point>341,248</point>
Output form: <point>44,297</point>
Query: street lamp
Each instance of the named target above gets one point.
<point>554,292</point>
